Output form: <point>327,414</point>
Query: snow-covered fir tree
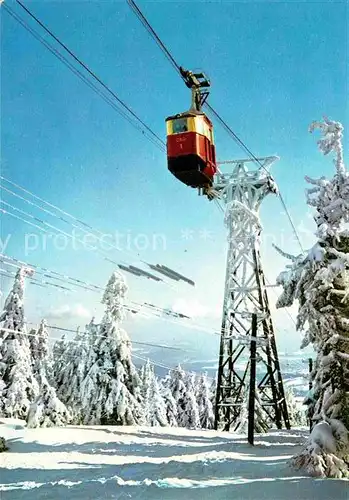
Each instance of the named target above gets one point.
<point>319,280</point>
<point>90,378</point>
<point>170,402</point>
<point>296,414</point>
<point>40,352</point>
<point>204,401</point>
<point>116,398</point>
<point>182,387</point>
<point>89,381</point>
<point>145,374</point>
<point>262,422</point>
<point>213,391</point>
<point>176,386</point>
<point>58,358</point>
<point>190,416</point>
<point>71,373</point>
<point>153,404</point>
<point>91,331</point>
<point>18,385</point>
<point>309,400</point>
<point>47,410</point>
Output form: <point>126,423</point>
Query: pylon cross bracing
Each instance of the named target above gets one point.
<point>242,191</point>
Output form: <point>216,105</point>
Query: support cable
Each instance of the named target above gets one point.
<point>148,344</point>
<point>74,238</point>
<point>153,136</point>
<point>99,235</point>
<point>44,271</point>
<point>153,34</point>
<point>44,282</point>
<point>170,58</point>
<point>230,131</point>
<point>9,330</point>
<point>185,324</point>
<point>283,309</point>
<point>72,224</point>
<point>6,212</point>
<point>192,326</point>
<point>291,222</point>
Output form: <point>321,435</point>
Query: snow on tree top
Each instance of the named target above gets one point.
<point>114,296</point>
<point>330,198</point>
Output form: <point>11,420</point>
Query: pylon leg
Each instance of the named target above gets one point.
<point>245,295</point>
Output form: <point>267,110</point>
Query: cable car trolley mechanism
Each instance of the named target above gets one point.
<point>191,156</point>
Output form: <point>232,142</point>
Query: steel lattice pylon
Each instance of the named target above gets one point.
<point>245,293</point>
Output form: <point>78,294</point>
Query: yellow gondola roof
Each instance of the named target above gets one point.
<point>189,113</point>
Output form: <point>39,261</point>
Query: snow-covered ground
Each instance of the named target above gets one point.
<point>94,463</point>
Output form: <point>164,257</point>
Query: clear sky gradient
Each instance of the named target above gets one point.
<point>274,67</point>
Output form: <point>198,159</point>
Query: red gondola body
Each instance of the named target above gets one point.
<point>190,149</point>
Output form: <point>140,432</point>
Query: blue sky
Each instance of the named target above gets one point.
<point>274,67</point>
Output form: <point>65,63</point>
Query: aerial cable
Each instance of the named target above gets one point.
<point>168,54</point>
<point>99,234</point>
<point>34,281</point>
<point>177,67</point>
<point>291,221</point>
<point>283,308</point>
<point>48,284</point>
<point>41,270</point>
<point>193,326</point>
<point>6,212</point>
<point>159,365</point>
<point>81,63</point>
<point>85,231</point>
<point>219,206</point>
<point>63,278</point>
<point>153,137</point>
<point>60,231</point>
<point>162,365</point>
<point>28,334</point>
<point>74,238</point>
<point>44,223</point>
<point>150,30</point>
<point>78,221</point>
<point>45,202</point>
<point>40,207</point>
<point>185,324</point>
<point>17,332</point>
<point>234,135</point>
<point>54,327</point>
<point>78,73</point>
<point>49,276</point>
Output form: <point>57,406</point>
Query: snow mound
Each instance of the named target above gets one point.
<point>323,437</point>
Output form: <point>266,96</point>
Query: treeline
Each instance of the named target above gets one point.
<point>91,378</point>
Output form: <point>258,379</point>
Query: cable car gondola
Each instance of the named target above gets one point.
<point>191,154</point>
